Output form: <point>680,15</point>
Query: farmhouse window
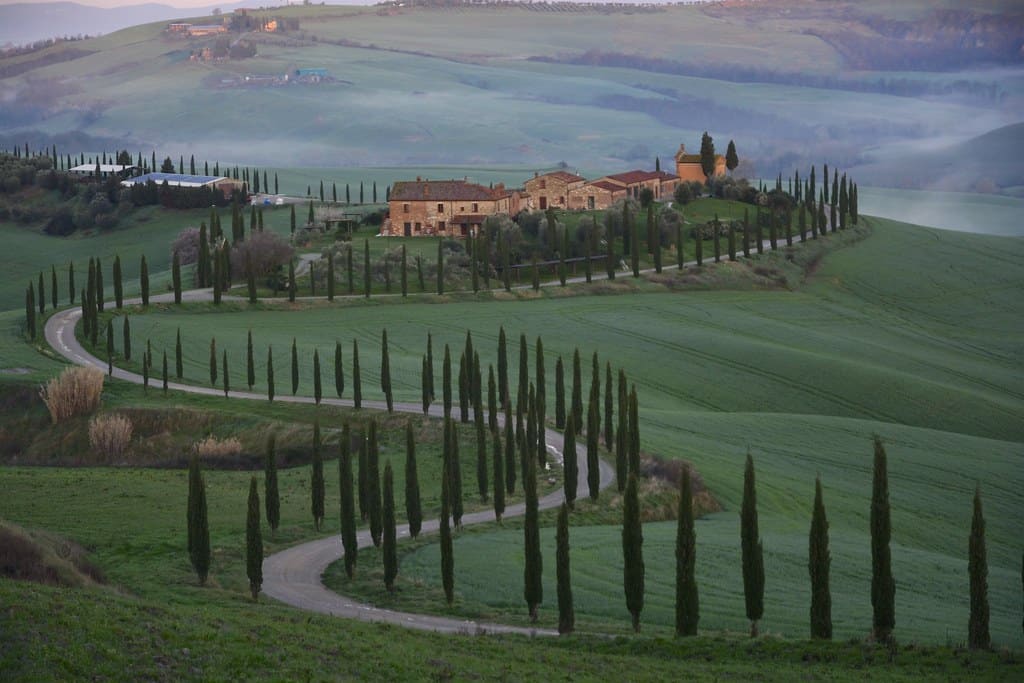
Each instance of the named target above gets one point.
<point>440,225</point>
<point>405,208</point>
<point>440,208</point>
<point>590,202</point>
<point>475,209</point>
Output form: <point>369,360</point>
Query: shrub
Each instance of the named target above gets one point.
<point>110,435</point>
<point>187,246</point>
<point>76,392</point>
<point>267,251</point>
<point>212,447</point>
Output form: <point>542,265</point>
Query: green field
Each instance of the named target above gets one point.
<point>912,334</point>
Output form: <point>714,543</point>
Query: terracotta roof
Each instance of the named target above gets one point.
<point>563,176</point>
<point>631,177</point>
<point>440,190</point>
<point>695,158</point>
<point>605,185</point>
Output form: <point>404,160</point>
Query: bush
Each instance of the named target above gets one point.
<point>187,246</point>
<point>110,435</point>
<point>212,447</point>
<point>76,392</point>
<point>268,252</point>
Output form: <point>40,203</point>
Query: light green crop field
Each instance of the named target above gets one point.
<point>913,334</point>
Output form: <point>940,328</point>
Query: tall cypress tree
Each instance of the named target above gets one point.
<point>429,381</point>
<point>99,287</point>
<point>632,551</point>
<point>455,471</point>
<point>179,369</point>
<point>295,367</point>
<point>373,484</point>
<point>446,381</point>
<point>405,272</point>
<point>273,499</point>
<point>570,462</point>
<point>510,451</point>
<point>424,386</point>
<point>349,541</point>
<point>213,362</point>
<point>593,464</point>
<point>291,281</point>
<point>126,339</point>
<point>339,370</point>
<point>385,372</point>
<point>687,599</point>
<point>42,294</point>
<point>413,509</point>
<point>481,456</point>
<point>119,284</point>
<point>818,564</point>
<point>978,637</point>
<point>502,366</point>
<point>198,524</point>
<point>390,541</point>
<point>71,282</point>
<point>559,394</point>
<point>883,585</point>
<point>254,542</point>
<point>270,373</point>
<point>447,552</point>
<point>541,385</point>
<point>566,614</point>
<point>492,400</point>
<point>533,587</point>
<point>498,472</point>
<point>609,407</point>
<point>175,278</point>
<point>317,479</point>
<point>250,362</point>
<point>622,435</point>
<point>577,392</point>
<point>464,388</point>
<point>144,281</point>
<point>753,554</point>
<point>524,374</point>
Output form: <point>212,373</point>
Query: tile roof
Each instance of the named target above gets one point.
<point>631,177</point>
<point>440,190</point>
<point>563,176</point>
<point>605,185</point>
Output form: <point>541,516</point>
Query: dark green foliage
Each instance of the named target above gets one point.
<point>385,372</point>
<point>577,392</point>
<point>425,386</point>
<point>610,252</point>
<point>464,388</point>
<point>492,400</point>
<point>347,505</point>
<point>413,510</point>
<point>498,473</point>
<point>30,311</point>
<point>218,278</point>
<point>561,257</point>
<point>731,158</point>
<point>99,287</point>
<point>510,451</point>
<point>53,286</point>
<point>753,554</point>
<point>339,370</point>
<point>440,274</point>
<point>429,381</point>
<point>270,374</point>
<point>593,436</point>
<point>535,274</point>
<point>609,407</point>
<point>632,551</point>
<point>634,253</point>
<point>198,524</point>
<point>446,381</point>
<point>679,246</point>
<point>126,339</point>
<point>295,367</point>
<point>119,283</point>
<point>175,278</point>
<point>883,585</point>
<point>622,435</point>
<point>144,280</point>
<point>746,232</point>
<point>687,600</point>
<point>698,244</point>
<point>481,457</point>
<point>707,155</point>
<point>213,362</point>
<point>502,366</point>
<point>818,564</point>
<point>390,541</point>
<point>570,463</point>
<point>179,369</point>
<point>273,499</point>
<point>291,281</point>
<point>373,484</point>
<point>419,273</point>
<point>978,637</point>
<point>732,241</point>
<point>533,587</point>
<point>566,615</point>
<point>250,278</point>
<point>110,339</point>
<point>145,371</point>
<point>447,552</point>
<point>317,481</point>
<point>250,362</point>
<point>71,282</point>
<point>717,239</point>
<point>559,394</point>
<point>254,542</point>
<point>524,373</point>
<point>454,472</point>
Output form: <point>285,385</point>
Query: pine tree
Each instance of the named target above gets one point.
<point>317,386</point>
<point>385,372</point>
<point>373,484</point>
<point>498,472</point>
<point>978,637</point>
<point>533,587</point>
<point>198,525</point>
<point>818,564</point>
<point>447,552</point>
<point>570,465</point>
<point>413,510</point>
<point>118,283</point>
<point>295,367</point>
<point>339,370</point>
<point>254,542</point>
<point>566,615</point>
<point>390,540</point>
<point>632,551</point>
<point>270,374</point>
<point>593,435</point>
<point>357,382</point>
<point>753,555</point>
<point>270,485</point>
<point>317,479</point>
<point>559,394</point>
<point>347,506</point>
<point>883,586</point>
<point>687,600</point>
<point>213,362</point>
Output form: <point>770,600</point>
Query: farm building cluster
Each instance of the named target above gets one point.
<point>459,208</point>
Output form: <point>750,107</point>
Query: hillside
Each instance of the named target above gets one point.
<point>529,85</point>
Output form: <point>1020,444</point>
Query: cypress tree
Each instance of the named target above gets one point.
<point>818,565</point>
<point>118,283</point>
<point>622,435</point>
<point>577,392</point>
<point>145,371</point>
<point>42,294</point>
<point>566,615</point>
<point>587,256</point>
<point>413,510</point>
<point>978,637</point>
<point>364,478</point>
<point>317,386</point>
<point>609,407</point>
<point>541,385</point>
<point>529,437</point>
<point>632,551</point>
<point>143,280</point>
<point>753,556</point>
<point>270,374</point>
<point>175,278</point>
<point>456,475</point>
<point>179,370</point>
<point>440,275</point>
<point>71,282</point>
<point>419,273</point>
<point>717,239</point>
<point>524,374</point>
<point>446,381</point>
<point>883,586</point>
<point>679,246</point>
<point>347,506</point>
<point>510,451</point>
<point>492,400</point>
<point>390,541</point>
<point>561,257</point>
<point>385,371</point>
<point>99,287</point>
<point>609,264</point>
<point>126,339</point>
<point>110,346</point>
<point>502,366</point>
<point>447,552</point>
<point>533,587</point>
<point>30,311</point>
<point>270,485</point>
<point>746,232</point>
<point>802,222</point>
<point>570,464</point>
<point>357,382</point>
<point>481,457</point>
<point>464,388</point>
<point>635,249</point>
<point>698,245</point>
<point>732,241</point>
<point>339,370</point>
<point>430,366</point>
<point>295,367</point>
<point>373,484</point>
<point>535,274</point>
<point>250,362</point>
<point>224,374</point>
<point>213,362</point>
<point>424,386</point>
<point>198,525</point>
<point>559,394</point>
<point>250,277</point>
<point>593,464</point>
<point>759,231</point>
<point>498,473</point>
<point>317,479</point>
<point>218,279</point>
<point>687,600</point>
<point>254,542</point>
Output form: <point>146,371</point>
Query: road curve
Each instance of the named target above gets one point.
<point>293,576</point>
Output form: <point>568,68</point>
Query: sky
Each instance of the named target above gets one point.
<point>213,3</point>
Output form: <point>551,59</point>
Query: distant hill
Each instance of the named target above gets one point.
<point>23,23</point>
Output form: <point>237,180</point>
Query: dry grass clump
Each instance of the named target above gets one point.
<point>75,392</point>
<point>110,435</point>
<point>212,447</point>
<point>44,558</point>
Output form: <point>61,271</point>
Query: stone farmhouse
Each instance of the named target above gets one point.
<point>445,207</point>
<point>551,189</point>
<point>688,165</point>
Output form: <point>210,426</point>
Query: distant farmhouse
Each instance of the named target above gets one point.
<point>105,171</point>
<point>181,180</point>
<point>197,30</point>
<point>688,166</point>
